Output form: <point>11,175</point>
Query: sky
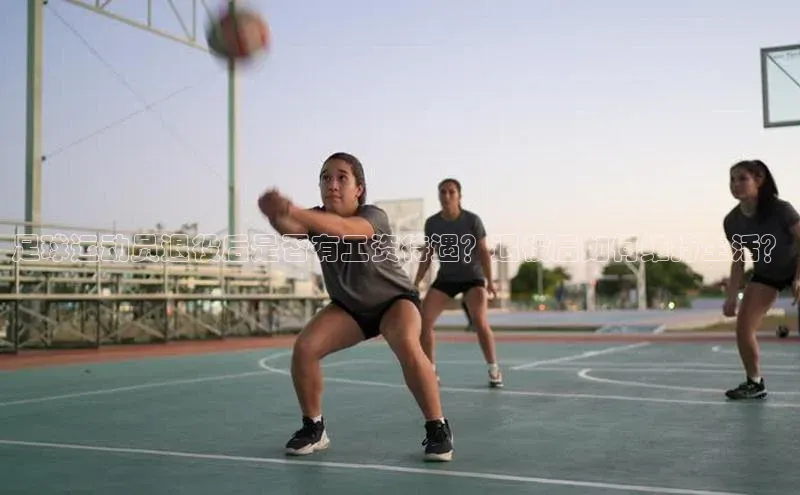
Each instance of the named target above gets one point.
<point>563,120</point>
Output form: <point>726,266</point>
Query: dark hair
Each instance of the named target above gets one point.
<point>450,180</point>
<point>356,168</point>
<point>767,191</point>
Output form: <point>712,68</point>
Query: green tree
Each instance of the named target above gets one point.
<point>526,282</point>
<point>665,279</point>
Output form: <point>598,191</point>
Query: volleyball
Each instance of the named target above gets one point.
<point>238,33</point>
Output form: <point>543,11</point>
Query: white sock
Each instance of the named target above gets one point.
<point>756,379</point>
<point>493,367</point>
<point>316,419</point>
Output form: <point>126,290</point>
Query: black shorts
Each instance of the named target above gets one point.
<point>452,289</point>
<point>778,285</point>
<point>370,321</point>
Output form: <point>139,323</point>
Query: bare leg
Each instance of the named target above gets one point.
<point>331,330</point>
<point>401,328</point>
<point>757,300</point>
<point>477,301</point>
<point>432,307</point>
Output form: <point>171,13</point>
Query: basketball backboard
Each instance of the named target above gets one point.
<point>407,216</point>
<point>780,85</point>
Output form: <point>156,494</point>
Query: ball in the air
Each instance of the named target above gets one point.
<point>238,34</point>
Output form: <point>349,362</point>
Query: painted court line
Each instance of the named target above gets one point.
<point>720,366</point>
<point>584,373</point>
<point>170,383</point>
<point>129,388</point>
<point>582,355</point>
<point>527,393</point>
<point>369,467</point>
<point>660,369</point>
<point>142,386</point>
<point>721,350</point>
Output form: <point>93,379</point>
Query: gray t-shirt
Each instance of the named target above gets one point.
<point>771,242</point>
<point>362,273</point>
<point>455,244</point>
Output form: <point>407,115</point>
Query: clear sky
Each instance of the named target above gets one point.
<point>560,118</point>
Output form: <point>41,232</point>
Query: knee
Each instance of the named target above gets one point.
<point>407,350</point>
<point>305,350</point>
<point>744,322</point>
<point>483,327</point>
<point>481,322</point>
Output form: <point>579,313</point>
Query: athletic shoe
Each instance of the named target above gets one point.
<point>311,438</point>
<point>495,378</point>
<point>438,441</point>
<point>748,389</point>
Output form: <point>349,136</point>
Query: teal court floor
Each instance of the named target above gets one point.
<point>574,418</point>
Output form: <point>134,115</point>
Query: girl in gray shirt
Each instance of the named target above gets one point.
<point>370,295</point>
<point>767,227</point>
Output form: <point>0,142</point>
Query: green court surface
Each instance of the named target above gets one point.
<point>574,418</point>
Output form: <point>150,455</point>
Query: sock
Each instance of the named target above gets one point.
<point>493,367</point>
<point>437,420</point>
<point>316,419</point>
<point>756,379</point>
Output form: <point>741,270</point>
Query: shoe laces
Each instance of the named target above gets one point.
<point>436,433</point>
<point>309,428</point>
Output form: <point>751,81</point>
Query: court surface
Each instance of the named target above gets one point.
<point>577,416</point>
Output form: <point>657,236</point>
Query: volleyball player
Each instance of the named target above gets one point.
<point>458,238</point>
<point>370,295</point>
<point>769,228</point>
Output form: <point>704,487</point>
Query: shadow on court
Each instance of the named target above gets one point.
<point>574,418</point>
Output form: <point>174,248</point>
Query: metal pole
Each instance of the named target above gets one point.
<point>539,274</point>
<point>233,190</point>
<point>641,285</point>
<point>16,327</point>
<point>33,116</point>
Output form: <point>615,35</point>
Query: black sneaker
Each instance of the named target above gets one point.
<point>748,389</point>
<point>438,441</point>
<point>308,439</point>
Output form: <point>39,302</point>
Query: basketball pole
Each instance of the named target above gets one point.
<point>33,117</point>
<point>233,189</point>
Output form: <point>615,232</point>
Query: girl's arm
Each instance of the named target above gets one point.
<point>324,223</point>
<point>287,226</point>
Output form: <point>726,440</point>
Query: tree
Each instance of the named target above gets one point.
<point>526,282</point>
<point>665,279</point>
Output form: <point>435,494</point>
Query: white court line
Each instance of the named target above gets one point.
<point>654,369</point>
<point>687,364</point>
<point>585,375</point>
<point>525,393</point>
<point>186,381</point>
<point>129,388</point>
<point>142,386</point>
<point>719,349</point>
<point>390,360</point>
<point>267,369</point>
<point>580,356</point>
<point>370,467</point>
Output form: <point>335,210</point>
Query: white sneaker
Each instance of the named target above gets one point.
<point>495,378</point>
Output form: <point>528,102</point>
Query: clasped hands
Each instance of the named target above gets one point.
<point>274,205</point>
